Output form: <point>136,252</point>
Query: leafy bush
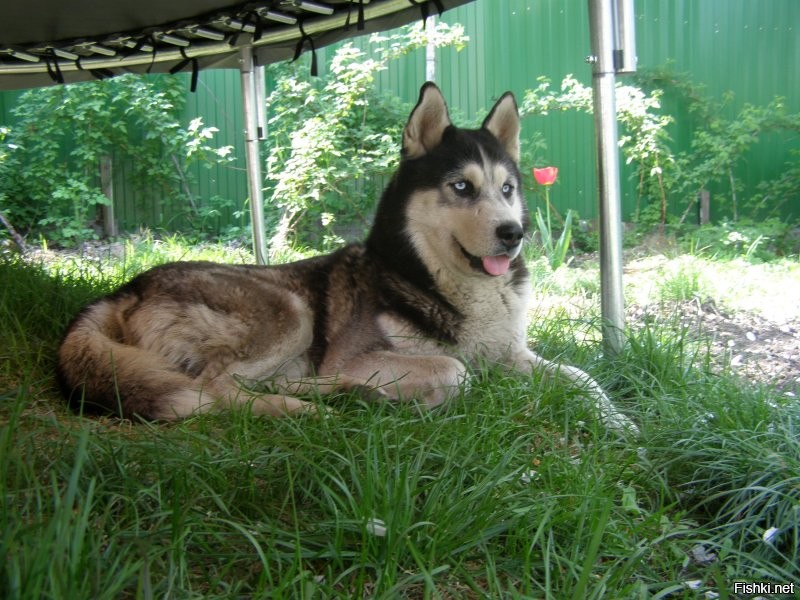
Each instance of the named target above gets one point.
<point>645,140</point>
<point>773,195</point>
<point>49,179</point>
<point>756,241</point>
<point>329,133</point>
<point>716,149</point>
<point>719,144</point>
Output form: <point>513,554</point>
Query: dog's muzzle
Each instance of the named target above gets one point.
<point>509,235</point>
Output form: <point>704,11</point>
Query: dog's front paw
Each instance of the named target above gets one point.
<point>370,393</point>
<point>616,421</point>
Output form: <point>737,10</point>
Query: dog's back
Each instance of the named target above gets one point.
<point>182,337</point>
<point>159,346</point>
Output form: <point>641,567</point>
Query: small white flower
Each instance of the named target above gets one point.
<point>528,476</point>
<point>376,527</point>
<point>769,535</point>
<point>707,418</point>
<point>693,584</point>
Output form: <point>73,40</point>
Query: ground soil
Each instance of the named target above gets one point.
<point>756,348</point>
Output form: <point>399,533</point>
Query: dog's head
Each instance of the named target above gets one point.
<point>457,195</point>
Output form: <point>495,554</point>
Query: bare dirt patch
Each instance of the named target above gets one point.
<point>752,346</point>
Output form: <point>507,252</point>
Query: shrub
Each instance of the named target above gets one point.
<point>716,150</point>
<point>50,177</point>
<point>327,134</point>
<point>755,241</point>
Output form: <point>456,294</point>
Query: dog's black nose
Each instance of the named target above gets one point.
<point>510,233</point>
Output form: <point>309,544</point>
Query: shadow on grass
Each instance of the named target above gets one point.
<point>512,490</point>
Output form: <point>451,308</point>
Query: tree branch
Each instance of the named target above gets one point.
<point>18,239</point>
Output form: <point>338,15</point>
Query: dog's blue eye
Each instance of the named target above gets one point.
<point>462,187</point>
<point>507,189</point>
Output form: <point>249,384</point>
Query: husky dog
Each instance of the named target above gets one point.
<point>438,285</point>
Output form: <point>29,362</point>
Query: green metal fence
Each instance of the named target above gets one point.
<point>218,102</point>
<point>750,49</point>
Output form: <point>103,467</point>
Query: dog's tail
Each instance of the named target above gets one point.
<point>99,373</point>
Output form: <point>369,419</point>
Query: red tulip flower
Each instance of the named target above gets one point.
<point>554,250</point>
<point>545,175</point>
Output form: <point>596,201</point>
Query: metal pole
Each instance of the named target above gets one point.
<point>430,51</point>
<point>254,181</point>
<point>625,58</point>
<point>261,100</point>
<point>612,303</point>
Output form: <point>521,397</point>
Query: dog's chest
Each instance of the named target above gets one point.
<point>492,322</point>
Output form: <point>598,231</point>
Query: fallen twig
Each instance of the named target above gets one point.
<point>18,239</point>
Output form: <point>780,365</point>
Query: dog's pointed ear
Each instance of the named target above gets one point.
<point>503,123</point>
<point>427,123</point>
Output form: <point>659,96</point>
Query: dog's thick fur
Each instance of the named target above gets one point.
<point>438,285</point>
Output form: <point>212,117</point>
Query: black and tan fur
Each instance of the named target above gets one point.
<point>438,285</point>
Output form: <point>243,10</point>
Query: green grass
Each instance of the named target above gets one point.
<point>513,490</point>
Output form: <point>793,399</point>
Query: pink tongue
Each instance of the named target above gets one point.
<point>496,265</point>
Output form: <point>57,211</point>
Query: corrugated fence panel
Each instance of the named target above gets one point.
<point>221,107</point>
<point>224,186</point>
<point>749,48</point>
